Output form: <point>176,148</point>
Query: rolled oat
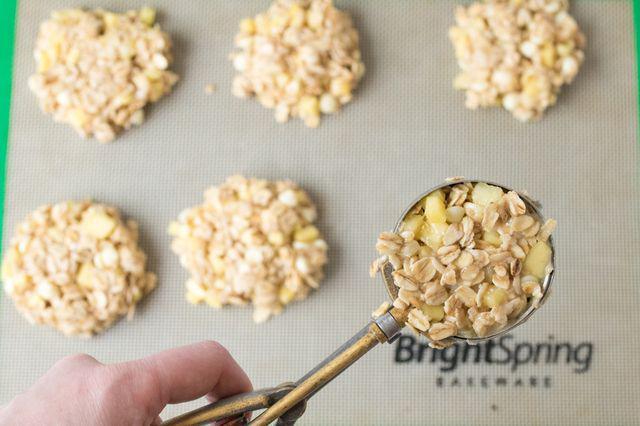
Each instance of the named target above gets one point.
<point>251,241</point>
<point>97,70</point>
<point>471,272</point>
<point>300,58</point>
<point>76,266</point>
<point>516,53</point>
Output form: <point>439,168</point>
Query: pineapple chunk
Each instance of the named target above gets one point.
<point>152,73</point>
<point>548,55</point>
<point>314,19</point>
<point>434,207</point>
<point>565,49</point>
<point>425,251</point>
<point>193,299</point>
<point>532,85</point>
<point>86,276</point>
<point>17,283</point>
<point>136,294</point>
<point>213,300</point>
<point>484,194</point>
<point>276,238</point>
<point>7,270</point>
<point>282,79</point>
<point>297,16</point>
<point>73,57</point>
<point>537,260</point>
<point>309,106</point>
<point>193,243</point>
<point>196,289</point>
<point>261,23</point>
<point>307,234</point>
<point>124,98</point>
<point>492,237</point>
<point>431,234</point>
<point>177,229</point>
<point>413,224</point>
<point>217,264</point>
<point>285,295</point>
<point>495,296</point>
<point>248,26</point>
<point>434,313</point>
<point>7,265</point>
<point>437,193</point>
<point>340,87</point>
<point>77,118</point>
<point>44,62</point>
<point>455,214</point>
<point>157,90</point>
<point>110,19</point>
<point>98,224</point>
<point>147,16</point>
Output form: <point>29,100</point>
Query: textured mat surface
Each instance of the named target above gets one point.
<point>407,129</point>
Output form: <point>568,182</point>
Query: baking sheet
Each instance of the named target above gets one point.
<point>406,131</point>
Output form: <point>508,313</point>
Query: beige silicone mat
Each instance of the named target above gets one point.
<point>575,362</point>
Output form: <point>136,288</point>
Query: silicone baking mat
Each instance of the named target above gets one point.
<point>407,130</point>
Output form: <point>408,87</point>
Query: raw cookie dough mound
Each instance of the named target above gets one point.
<point>517,54</point>
<point>76,266</point>
<point>300,57</point>
<point>97,70</point>
<point>467,259</point>
<point>252,241</point>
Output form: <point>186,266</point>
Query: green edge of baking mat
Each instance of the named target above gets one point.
<point>636,26</point>
<point>7,40</point>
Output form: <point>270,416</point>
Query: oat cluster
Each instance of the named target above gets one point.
<point>466,260</point>
<point>300,57</point>
<point>76,266</point>
<point>251,241</point>
<point>516,53</point>
<point>97,70</point>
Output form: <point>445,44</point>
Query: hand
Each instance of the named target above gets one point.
<point>78,390</point>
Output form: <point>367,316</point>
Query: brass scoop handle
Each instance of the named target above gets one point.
<point>233,409</point>
<point>287,402</point>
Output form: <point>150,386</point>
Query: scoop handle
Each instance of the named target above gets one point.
<point>234,407</point>
<point>381,330</point>
<point>287,402</point>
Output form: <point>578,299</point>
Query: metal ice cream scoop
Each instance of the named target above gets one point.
<point>287,402</point>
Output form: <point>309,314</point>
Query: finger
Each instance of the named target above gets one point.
<point>189,372</point>
<point>72,363</point>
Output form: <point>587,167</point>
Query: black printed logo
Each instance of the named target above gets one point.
<point>504,351</point>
